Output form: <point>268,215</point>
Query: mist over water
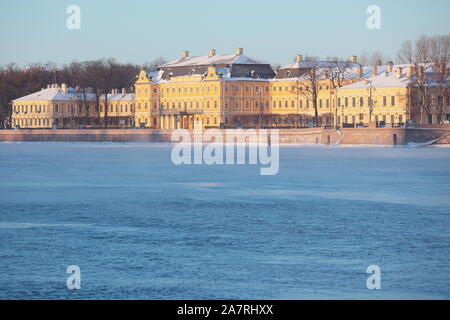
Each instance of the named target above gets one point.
<point>141,227</point>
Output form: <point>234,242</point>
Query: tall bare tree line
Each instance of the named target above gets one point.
<point>95,76</point>
<point>425,49</point>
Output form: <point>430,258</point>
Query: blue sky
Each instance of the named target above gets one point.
<point>142,30</point>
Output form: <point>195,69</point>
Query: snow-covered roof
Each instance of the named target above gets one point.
<point>320,64</point>
<point>385,79</point>
<point>155,76</point>
<point>55,94</point>
<point>223,59</point>
<point>119,97</point>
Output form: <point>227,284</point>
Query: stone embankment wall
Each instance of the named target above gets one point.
<point>350,136</point>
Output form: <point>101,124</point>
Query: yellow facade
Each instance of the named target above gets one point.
<point>33,114</point>
<point>362,106</point>
<point>210,100</point>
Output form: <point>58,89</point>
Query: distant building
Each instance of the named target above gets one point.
<point>238,91</point>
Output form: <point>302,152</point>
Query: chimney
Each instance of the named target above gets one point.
<point>299,58</point>
<point>124,90</point>
<point>353,59</point>
<point>389,67</point>
<point>374,71</point>
<point>64,87</point>
<point>442,67</point>
<point>410,71</point>
<point>421,73</point>
<point>398,72</point>
<point>239,51</point>
<point>185,54</point>
<point>212,52</point>
<point>359,72</point>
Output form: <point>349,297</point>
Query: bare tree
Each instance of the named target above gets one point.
<point>364,59</point>
<point>406,53</point>
<point>422,50</point>
<point>310,58</point>
<point>153,65</point>
<point>439,48</point>
<point>425,49</point>
<point>311,90</point>
<point>442,78</point>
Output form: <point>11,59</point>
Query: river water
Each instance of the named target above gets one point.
<point>140,227</point>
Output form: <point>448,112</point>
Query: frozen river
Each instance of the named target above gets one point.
<point>141,227</point>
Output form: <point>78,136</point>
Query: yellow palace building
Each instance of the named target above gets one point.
<point>235,90</point>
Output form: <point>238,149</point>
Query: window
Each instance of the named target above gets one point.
<point>346,101</point>
<point>361,101</point>
<point>339,102</point>
<point>400,119</point>
<point>384,101</point>
<point>320,103</point>
<point>354,101</point>
<point>392,101</point>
